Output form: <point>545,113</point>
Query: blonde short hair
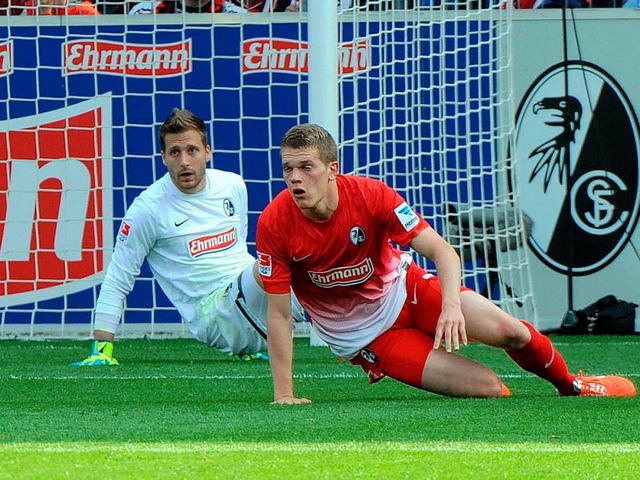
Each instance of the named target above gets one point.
<point>310,135</point>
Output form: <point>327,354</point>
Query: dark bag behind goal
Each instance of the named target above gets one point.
<point>606,316</point>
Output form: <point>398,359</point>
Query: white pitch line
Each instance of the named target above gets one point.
<point>323,448</point>
<point>312,376</point>
<point>184,377</point>
<point>596,344</point>
<point>51,345</point>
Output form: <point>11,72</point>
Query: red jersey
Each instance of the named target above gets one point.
<point>346,273</point>
<point>265,5</point>
<point>85,7</point>
<point>174,6</point>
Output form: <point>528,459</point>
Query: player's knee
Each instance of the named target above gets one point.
<point>513,335</point>
<point>492,386</point>
<point>255,272</point>
<point>499,389</point>
<point>484,385</point>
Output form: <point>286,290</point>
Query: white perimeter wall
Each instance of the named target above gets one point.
<point>609,39</point>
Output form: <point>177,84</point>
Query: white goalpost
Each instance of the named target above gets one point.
<point>417,97</point>
<point>426,106</point>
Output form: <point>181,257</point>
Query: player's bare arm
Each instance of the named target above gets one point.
<point>451,324</point>
<point>280,344</point>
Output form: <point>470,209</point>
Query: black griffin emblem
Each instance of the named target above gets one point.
<point>600,207</point>
<point>553,153</point>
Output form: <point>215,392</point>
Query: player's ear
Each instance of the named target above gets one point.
<point>334,169</point>
<point>164,162</point>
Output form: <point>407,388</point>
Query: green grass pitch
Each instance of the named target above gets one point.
<point>175,409</point>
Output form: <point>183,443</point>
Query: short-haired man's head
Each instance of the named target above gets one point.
<point>181,121</point>
<point>310,135</point>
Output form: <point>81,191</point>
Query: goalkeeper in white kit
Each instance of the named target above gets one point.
<point>191,227</point>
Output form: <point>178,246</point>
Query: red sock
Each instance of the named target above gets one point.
<point>540,357</point>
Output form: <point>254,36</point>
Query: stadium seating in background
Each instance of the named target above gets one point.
<point>47,7</point>
<point>571,3</point>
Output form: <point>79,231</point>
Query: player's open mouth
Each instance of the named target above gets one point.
<point>298,192</point>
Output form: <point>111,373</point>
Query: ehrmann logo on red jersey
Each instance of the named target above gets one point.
<point>133,60</point>
<point>286,55</point>
<point>6,58</point>
<point>342,276</point>
<point>56,213</point>
<point>213,243</point>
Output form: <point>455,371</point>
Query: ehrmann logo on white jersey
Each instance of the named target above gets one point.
<point>213,243</point>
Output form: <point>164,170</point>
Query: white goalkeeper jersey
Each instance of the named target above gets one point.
<point>194,244</point>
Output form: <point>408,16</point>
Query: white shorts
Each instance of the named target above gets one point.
<point>234,318</point>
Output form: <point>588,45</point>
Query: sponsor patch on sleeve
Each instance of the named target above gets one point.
<point>264,264</point>
<point>407,216</point>
<point>123,233</point>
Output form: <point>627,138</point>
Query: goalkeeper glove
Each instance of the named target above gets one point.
<point>101,354</point>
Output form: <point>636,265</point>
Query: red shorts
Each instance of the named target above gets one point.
<point>401,352</point>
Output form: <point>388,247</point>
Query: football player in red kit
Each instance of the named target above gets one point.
<point>328,236</point>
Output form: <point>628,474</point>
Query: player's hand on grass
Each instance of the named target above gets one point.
<point>101,355</point>
<point>289,400</point>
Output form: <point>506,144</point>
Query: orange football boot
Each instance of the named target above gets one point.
<point>604,386</point>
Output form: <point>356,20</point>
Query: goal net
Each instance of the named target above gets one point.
<point>430,113</point>
<point>422,106</point>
